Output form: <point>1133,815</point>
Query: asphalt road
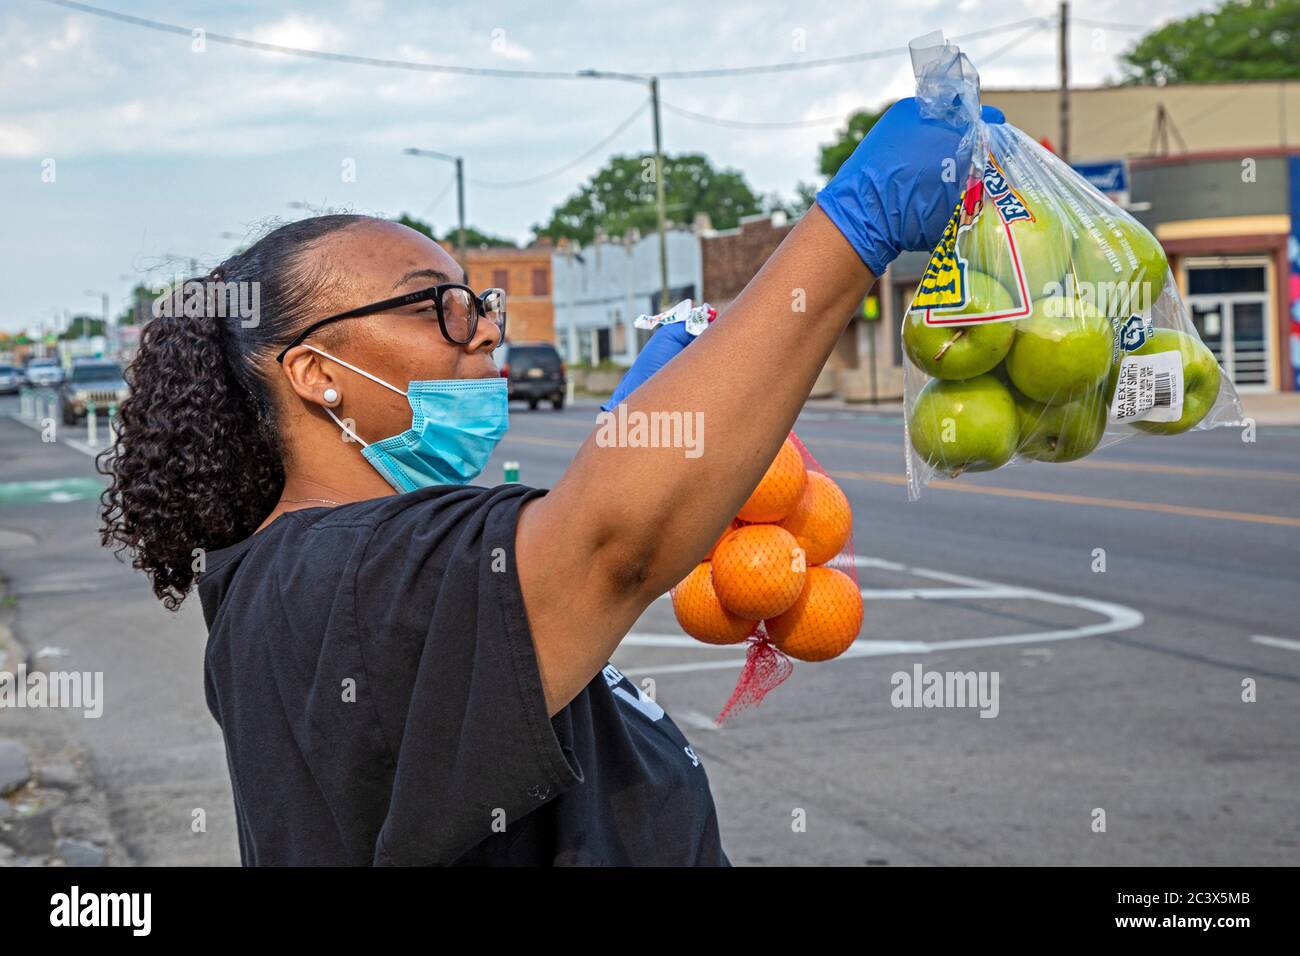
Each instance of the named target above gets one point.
<point>1120,692</point>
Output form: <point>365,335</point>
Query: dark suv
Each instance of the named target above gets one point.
<point>534,371</point>
<point>99,382</point>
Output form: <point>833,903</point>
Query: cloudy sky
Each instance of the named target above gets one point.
<point>124,152</point>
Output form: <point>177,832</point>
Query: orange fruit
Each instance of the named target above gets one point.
<point>780,488</point>
<point>702,615</point>
<point>822,519</point>
<point>725,531</point>
<point>823,621</point>
<point>757,571</point>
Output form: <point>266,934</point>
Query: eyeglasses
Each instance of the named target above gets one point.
<point>458,306</point>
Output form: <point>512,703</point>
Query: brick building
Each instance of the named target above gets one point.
<point>731,257</point>
<point>526,276</point>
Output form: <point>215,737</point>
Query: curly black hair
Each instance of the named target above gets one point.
<point>197,463</point>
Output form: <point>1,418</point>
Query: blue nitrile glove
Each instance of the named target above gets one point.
<point>890,195</point>
<point>666,342</point>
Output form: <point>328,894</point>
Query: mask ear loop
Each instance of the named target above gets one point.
<point>374,378</point>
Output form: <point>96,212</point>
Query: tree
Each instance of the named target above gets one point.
<point>621,196</point>
<point>140,310</point>
<point>474,239</point>
<point>834,154</point>
<point>82,326</point>
<point>805,194</point>
<point>1241,40</point>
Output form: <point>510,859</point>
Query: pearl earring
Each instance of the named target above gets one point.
<point>331,396</point>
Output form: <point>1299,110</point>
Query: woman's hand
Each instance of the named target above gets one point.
<point>901,184</point>
<point>666,342</point>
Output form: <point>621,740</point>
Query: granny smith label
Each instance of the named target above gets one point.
<point>1149,387</point>
<point>977,238</point>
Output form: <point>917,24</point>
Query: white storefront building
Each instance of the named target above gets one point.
<point>598,291</point>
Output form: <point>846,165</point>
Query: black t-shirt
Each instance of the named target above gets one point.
<point>374,677</point>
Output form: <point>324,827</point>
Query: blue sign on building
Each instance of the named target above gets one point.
<point>1107,177</point>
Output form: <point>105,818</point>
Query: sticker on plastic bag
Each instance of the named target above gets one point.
<point>1149,387</point>
<point>952,290</point>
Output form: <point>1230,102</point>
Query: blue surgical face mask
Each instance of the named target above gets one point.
<point>455,425</point>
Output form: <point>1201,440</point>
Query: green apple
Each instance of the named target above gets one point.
<point>1201,379</point>
<point>1061,352</point>
<point>1043,243</point>
<point>962,351</point>
<point>964,426</point>
<point>1063,432</point>
<point>1119,266</point>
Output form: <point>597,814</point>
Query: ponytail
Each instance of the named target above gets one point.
<point>197,463</point>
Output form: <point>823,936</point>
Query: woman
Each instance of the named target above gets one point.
<point>409,669</point>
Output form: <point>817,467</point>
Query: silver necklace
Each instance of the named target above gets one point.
<point>298,501</point>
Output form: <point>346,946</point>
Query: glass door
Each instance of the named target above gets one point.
<point>1249,344</point>
<point>1229,303</point>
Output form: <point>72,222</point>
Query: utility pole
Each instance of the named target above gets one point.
<point>459,162</point>
<point>661,206</point>
<point>660,202</point>
<point>1064,63</point>
<point>460,210</point>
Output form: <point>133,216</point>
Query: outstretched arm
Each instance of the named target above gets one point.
<point>624,524</point>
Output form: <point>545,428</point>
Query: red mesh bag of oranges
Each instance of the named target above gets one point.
<point>781,578</point>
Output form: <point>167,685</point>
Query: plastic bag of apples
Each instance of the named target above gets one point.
<point>781,577</point>
<point>1047,324</point>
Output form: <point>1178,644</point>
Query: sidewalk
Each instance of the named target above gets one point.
<point>1273,408</point>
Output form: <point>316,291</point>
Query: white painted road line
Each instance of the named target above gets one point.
<point>1284,643</point>
<point>1116,618</point>
<point>75,444</point>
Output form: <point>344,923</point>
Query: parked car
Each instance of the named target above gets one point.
<point>99,382</point>
<point>534,372</point>
<point>11,379</point>
<point>44,373</point>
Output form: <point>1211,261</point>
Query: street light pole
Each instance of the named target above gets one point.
<point>661,211</point>
<point>460,208</point>
<point>459,162</point>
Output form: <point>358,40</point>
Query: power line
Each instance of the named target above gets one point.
<point>1040,23</point>
<point>451,181</point>
<point>533,180</point>
<point>413,65</point>
<point>832,60</point>
<point>747,124</point>
<point>990,57</point>
<point>1105,24</point>
<point>355,60</point>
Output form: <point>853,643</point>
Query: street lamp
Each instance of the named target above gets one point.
<point>108,335</point>
<point>660,207</point>
<point>460,191</point>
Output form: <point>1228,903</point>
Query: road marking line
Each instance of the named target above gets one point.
<point>1202,471</point>
<point>1119,504</point>
<point>530,440</point>
<point>695,719</point>
<point>75,444</point>
<point>1117,618</point>
<point>1284,643</point>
